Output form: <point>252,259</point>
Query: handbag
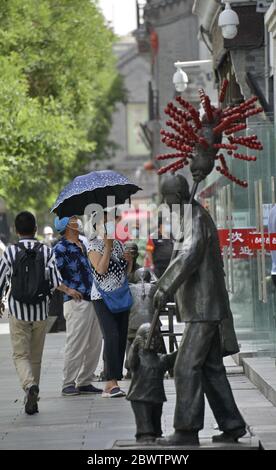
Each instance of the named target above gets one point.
<point>117,300</point>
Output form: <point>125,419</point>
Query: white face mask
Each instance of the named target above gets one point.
<point>80,226</point>
<point>110,228</point>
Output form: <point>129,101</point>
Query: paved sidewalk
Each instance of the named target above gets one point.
<point>93,422</point>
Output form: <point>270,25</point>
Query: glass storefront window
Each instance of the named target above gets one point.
<point>251,291</point>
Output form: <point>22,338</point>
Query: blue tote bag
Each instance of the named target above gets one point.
<point>118,300</point>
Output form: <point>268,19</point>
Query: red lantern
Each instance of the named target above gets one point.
<point>154,42</point>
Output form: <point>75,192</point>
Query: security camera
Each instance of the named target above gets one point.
<point>263,5</point>
<point>228,21</point>
<point>180,79</point>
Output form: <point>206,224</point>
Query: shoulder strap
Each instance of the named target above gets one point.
<point>36,248</point>
<point>21,246</point>
<point>36,245</point>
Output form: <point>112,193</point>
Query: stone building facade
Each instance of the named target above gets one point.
<point>246,62</point>
<point>170,30</point>
<point>132,150</point>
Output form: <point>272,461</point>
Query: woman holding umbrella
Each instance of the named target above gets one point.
<point>110,266</point>
<point>108,261</point>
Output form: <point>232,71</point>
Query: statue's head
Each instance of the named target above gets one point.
<point>143,333</point>
<point>202,164</point>
<point>143,275</point>
<point>175,190</point>
<point>203,160</point>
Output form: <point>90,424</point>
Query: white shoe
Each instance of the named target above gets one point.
<point>114,393</point>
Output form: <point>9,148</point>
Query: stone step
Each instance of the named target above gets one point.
<point>234,370</point>
<point>261,372</point>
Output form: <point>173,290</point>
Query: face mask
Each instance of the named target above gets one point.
<point>110,228</point>
<point>80,227</point>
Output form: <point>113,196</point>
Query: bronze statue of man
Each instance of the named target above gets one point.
<point>196,277</point>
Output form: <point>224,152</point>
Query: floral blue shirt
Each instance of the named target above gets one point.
<point>74,267</point>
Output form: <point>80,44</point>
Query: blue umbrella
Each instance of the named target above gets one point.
<point>93,187</point>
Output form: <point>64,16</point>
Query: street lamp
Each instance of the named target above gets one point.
<point>228,22</point>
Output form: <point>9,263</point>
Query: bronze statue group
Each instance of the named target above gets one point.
<point>195,278</point>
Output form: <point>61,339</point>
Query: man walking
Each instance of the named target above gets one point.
<point>83,334</point>
<point>28,268</point>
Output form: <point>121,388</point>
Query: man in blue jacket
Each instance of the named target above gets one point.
<point>83,334</point>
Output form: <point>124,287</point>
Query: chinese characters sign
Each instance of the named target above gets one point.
<point>246,241</point>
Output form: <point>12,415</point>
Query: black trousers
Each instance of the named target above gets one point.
<point>114,328</point>
<point>199,370</point>
<point>148,418</point>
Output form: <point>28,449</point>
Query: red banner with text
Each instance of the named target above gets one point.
<point>246,241</point>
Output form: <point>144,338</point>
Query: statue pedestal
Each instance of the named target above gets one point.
<point>246,443</point>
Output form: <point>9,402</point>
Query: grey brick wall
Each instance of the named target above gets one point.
<point>249,61</point>
<point>136,72</point>
<point>177,30</point>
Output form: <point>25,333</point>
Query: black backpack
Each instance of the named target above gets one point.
<point>28,283</point>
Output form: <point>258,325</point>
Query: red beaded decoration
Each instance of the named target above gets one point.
<point>193,135</point>
<point>223,91</point>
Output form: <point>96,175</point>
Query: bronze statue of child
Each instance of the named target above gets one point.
<point>146,392</point>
